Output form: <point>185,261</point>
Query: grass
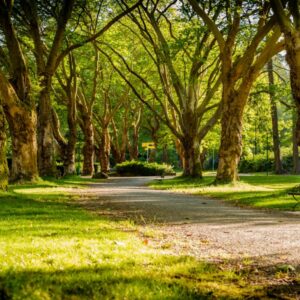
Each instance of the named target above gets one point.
<point>260,191</point>
<point>50,248</point>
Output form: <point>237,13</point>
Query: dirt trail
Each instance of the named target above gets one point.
<point>203,227</point>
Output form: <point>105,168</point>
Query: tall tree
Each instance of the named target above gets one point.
<point>17,101</point>
<point>274,117</point>
<point>49,52</point>
<point>69,84</point>
<point>240,66</point>
<point>288,16</point>
<point>184,91</point>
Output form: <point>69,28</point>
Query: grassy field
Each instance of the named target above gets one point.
<point>261,191</point>
<point>50,248</point>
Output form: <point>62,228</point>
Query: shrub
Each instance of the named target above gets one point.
<point>137,168</point>
<point>260,164</point>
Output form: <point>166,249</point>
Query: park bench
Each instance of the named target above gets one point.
<point>294,194</point>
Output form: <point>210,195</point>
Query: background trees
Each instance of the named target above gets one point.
<point>167,72</point>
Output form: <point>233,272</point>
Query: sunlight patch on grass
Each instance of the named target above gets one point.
<point>50,249</point>
<point>256,190</point>
<point>46,190</point>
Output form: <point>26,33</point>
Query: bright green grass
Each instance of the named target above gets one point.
<point>257,191</point>
<point>52,249</point>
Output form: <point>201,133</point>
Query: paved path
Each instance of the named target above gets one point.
<point>203,227</point>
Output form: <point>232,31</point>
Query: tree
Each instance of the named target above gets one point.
<point>288,17</point>
<point>274,116</point>
<point>3,160</point>
<point>49,49</point>
<point>240,66</point>
<point>17,101</point>
<point>69,85</point>
<point>187,103</point>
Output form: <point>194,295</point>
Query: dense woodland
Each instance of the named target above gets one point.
<point>213,84</point>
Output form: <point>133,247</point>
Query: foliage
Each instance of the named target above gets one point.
<point>137,168</point>
<point>260,163</point>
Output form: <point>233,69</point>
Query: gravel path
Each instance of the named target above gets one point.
<point>194,225</point>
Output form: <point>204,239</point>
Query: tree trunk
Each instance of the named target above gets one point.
<point>274,116</point>
<point>104,150</point>
<point>3,159</point>
<point>18,105</point>
<point>88,150</point>
<point>296,162</point>
<point>231,137</point>
<point>46,161</point>
<point>180,153</point>
<point>191,164</point>
<point>69,161</point>
<point>133,147</point>
<point>22,125</point>
<point>165,156</point>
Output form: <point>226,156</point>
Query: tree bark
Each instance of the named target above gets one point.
<point>296,161</point>
<point>22,126</point>
<point>274,116</point>
<point>18,105</point>
<point>192,163</point>
<point>69,161</point>
<point>104,150</point>
<point>88,150</point>
<point>290,24</point>
<point>66,148</point>
<point>133,146</point>
<point>46,161</point>
<point>293,59</point>
<point>3,159</point>
<point>231,136</point>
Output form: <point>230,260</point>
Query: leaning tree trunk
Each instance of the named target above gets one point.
<point>231,136</point>
<point>104,150</point>
<point>88,147</point>
<point>3,160</point>
<point>46,162</point>
<point>274,116</point>
<point>22,125</point>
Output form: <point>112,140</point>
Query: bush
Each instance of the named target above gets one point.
<point>260,164</point>
<point>137,168</point>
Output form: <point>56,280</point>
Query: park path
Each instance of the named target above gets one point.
<point>194,225</point>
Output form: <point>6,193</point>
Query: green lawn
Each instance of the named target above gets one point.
<point>259,190</point>
<point>50,248</point>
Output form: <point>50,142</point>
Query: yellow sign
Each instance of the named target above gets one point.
<point>149,145</point>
